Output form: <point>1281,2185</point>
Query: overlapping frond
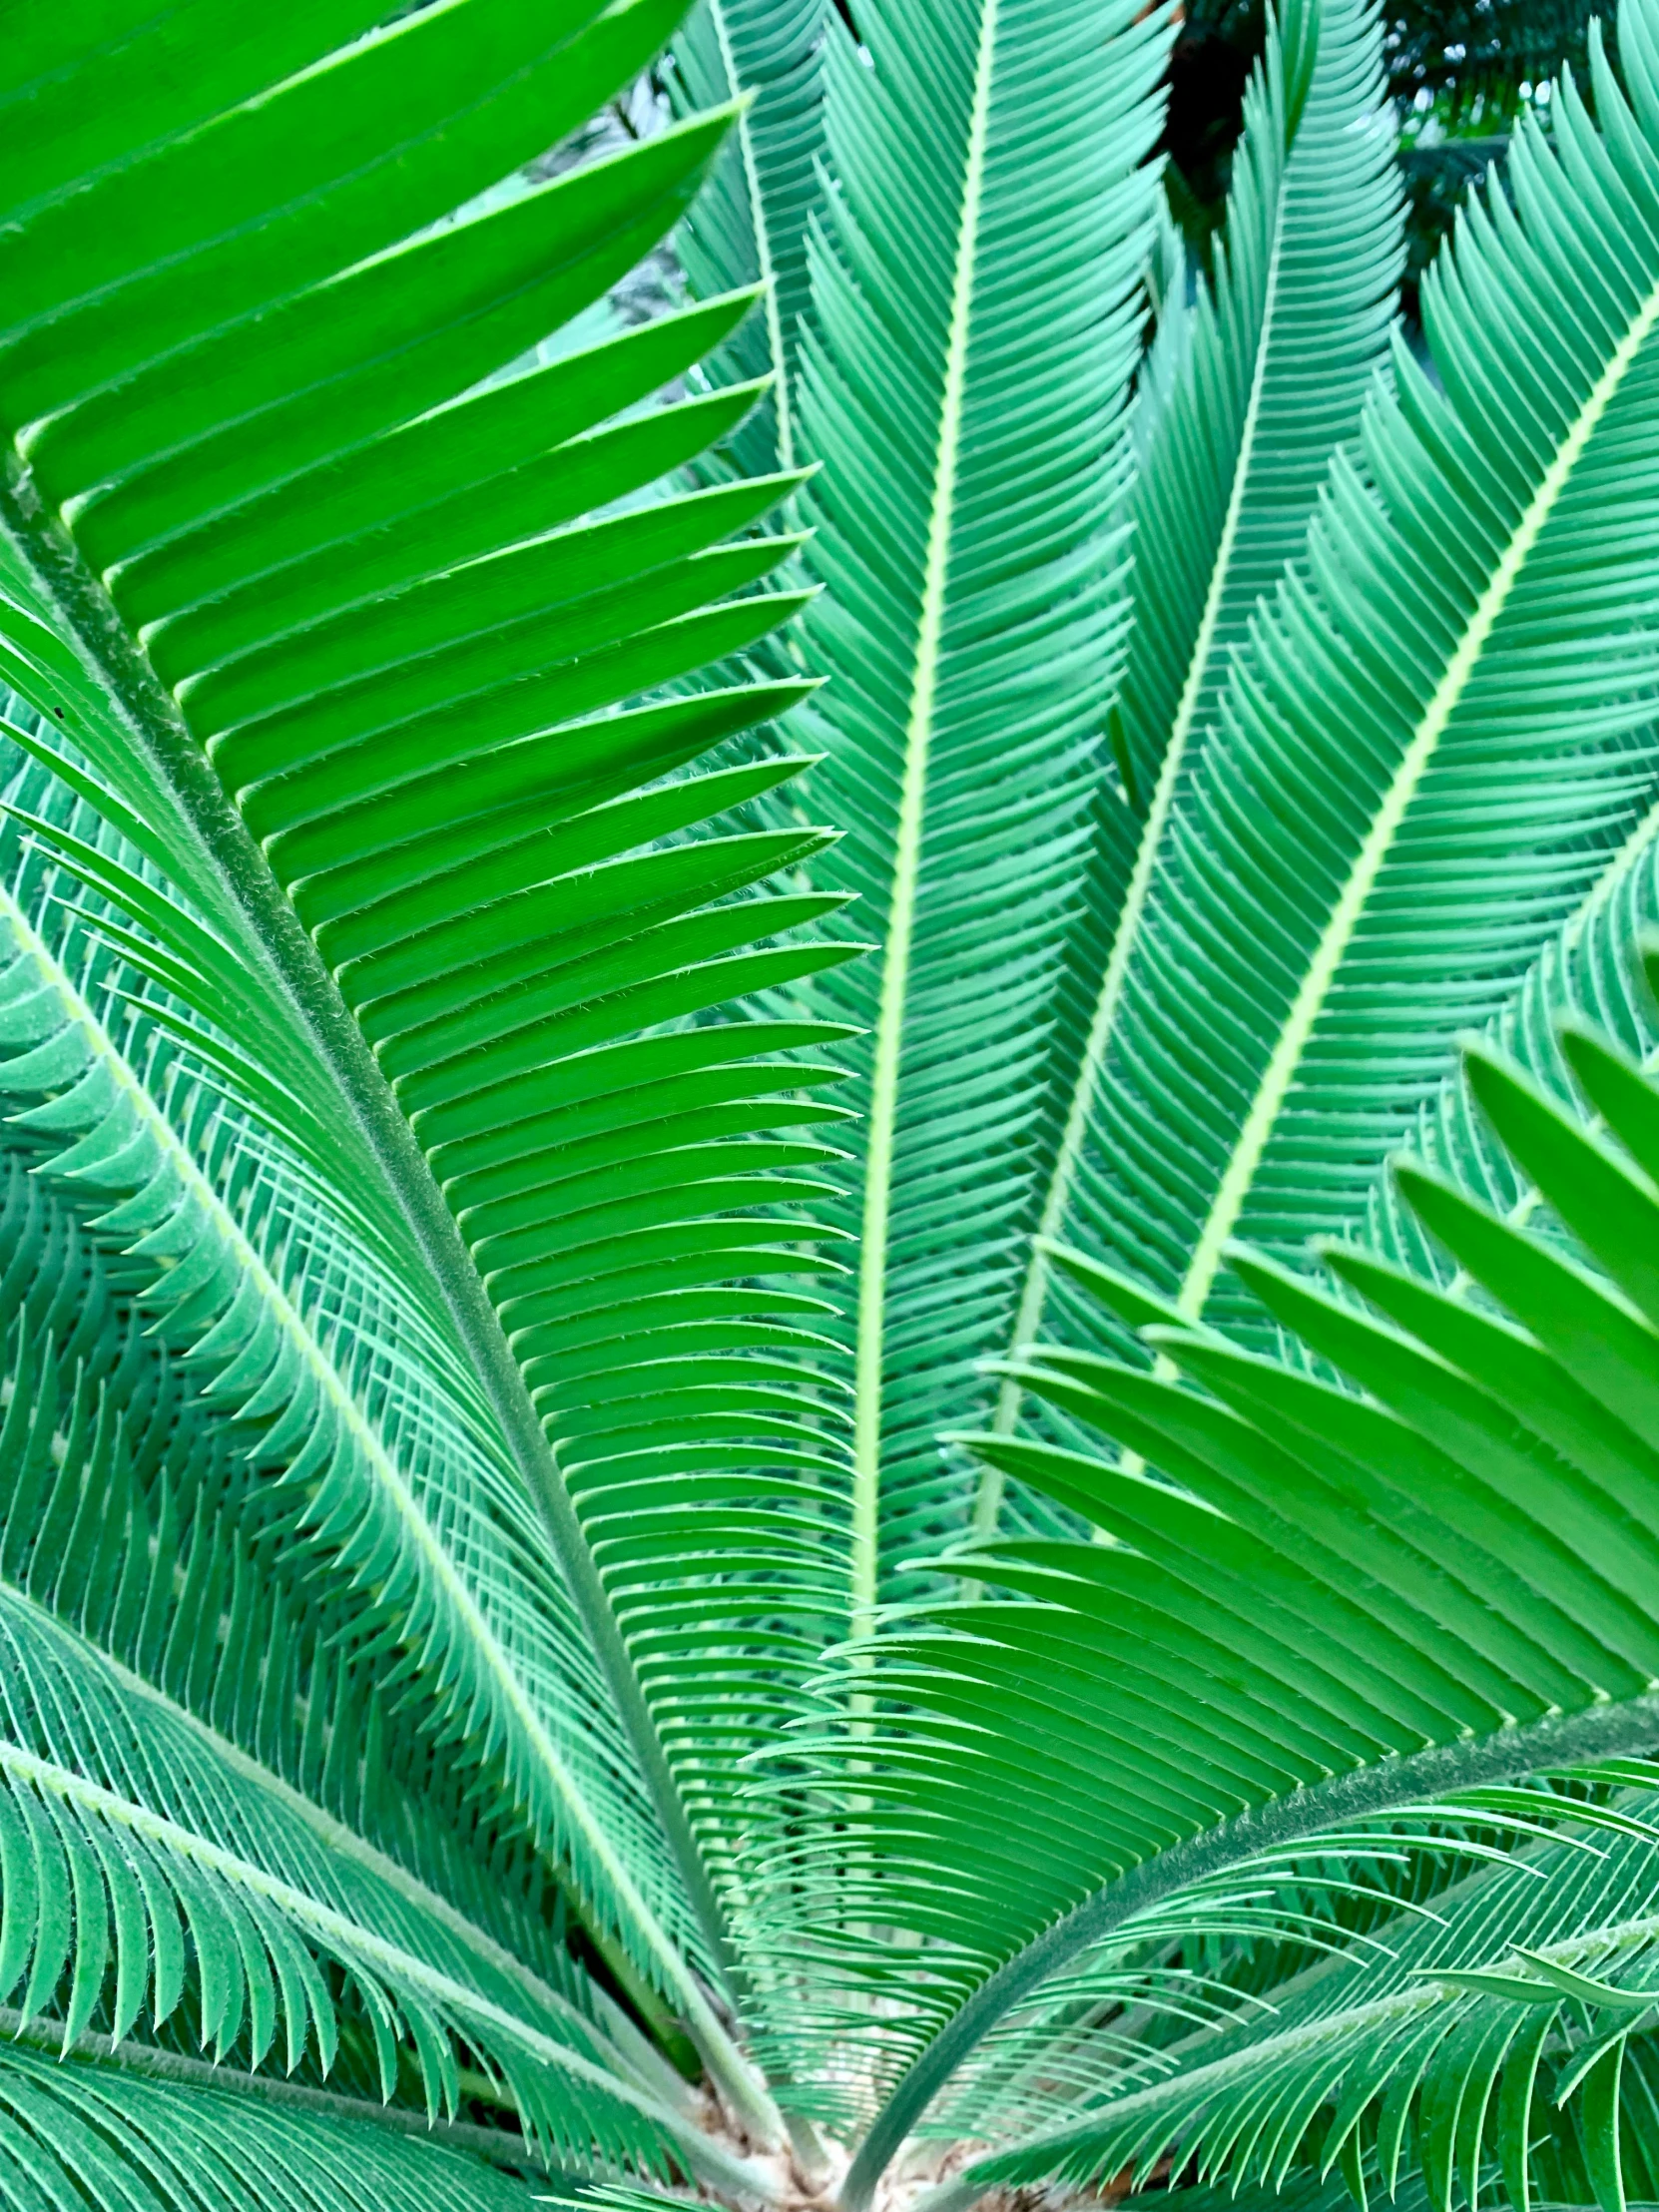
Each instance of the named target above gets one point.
<point>373,655</point>
<point>326,1376</point>
<point>748,222</point>
<point>132,1522</point>
<point>134,1833</point>
<point>976,279</point>
<point>1307,1590</point>
<point>1249,391</point>
<point>439,1615</point>
<point>152,1874</point>
<point>1433,740</point>
<point>1297,2195</point>
<point>104,2132</point>
<point>1502,2027</point>
<point>132,1511</point>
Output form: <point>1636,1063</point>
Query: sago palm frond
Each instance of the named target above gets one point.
<point>151,1868</point>
<point>98,2129</point>
<point>289,1327</point>
<point>1275,363</point>
<point>1432,739</point>
<point>132,1833</point>
<point>178,1560</point>
<point>206,1784</point>
<point>1297,2195</point>
<point>974,276</point>
<point>1460,2031</point>
<point>749,224</point>
<point>1319,1603</point>
<point>280,566</point>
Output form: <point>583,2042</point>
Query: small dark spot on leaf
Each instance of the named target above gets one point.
<point>58,711</point>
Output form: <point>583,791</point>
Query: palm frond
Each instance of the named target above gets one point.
<point>1465,2029</point>
<point>1275,360</point>
<point>1318,1598</point>
<point>1296,2195</point>
<point>1438,732</point>
<point>749,224</point>
<point>233,1737</point>
<point>122,1829</point>
<point>102,2133</point>
<point>134,1515</point>
<point>477,1611</point>
<point>371,661</point>
<point>986,189</point>
<point>308,1347</point>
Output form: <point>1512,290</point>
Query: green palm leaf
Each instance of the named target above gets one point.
<point>987,186</point>
<point>1349,853</point>
<point>1470,2024</point>
<point>282,568</point>
<point>155,1548</point>
<point>287,1323</point>
<point>1274,363</point>
<point>233,1756</point>
<point>749,224</point>
<point>104,2131</point>
<point>1296,2195</point>
<point>125,1828</point>
<point>1321,1602</point>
